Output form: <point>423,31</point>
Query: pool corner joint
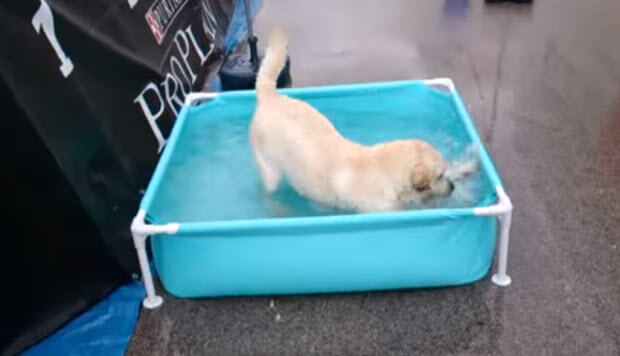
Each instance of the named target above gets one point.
<point>140,231</point>
<point>446,82</point>
<point>191,98</point>
<point>503,211</point>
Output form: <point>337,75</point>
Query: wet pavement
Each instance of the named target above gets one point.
<point>542,83</point>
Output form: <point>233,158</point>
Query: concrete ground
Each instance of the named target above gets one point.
<point>542,83</point>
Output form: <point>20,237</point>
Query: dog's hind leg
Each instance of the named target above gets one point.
<point>270,176</point>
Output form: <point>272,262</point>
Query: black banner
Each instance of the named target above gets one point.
<point>97,85</point>
<point>102,81</point>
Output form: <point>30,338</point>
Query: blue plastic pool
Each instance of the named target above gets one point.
<point>228,237</point>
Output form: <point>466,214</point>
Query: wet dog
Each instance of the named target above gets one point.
<point>291,140</point>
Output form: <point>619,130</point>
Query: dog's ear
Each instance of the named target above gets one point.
<point>420,177</point>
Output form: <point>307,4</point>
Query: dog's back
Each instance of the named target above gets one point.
<point>289,136</point>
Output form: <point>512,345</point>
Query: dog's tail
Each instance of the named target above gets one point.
<point>272,64</point>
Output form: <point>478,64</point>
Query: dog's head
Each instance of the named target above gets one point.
<point>417,168</point>
<point>426,171</point>
<point>427,177</point>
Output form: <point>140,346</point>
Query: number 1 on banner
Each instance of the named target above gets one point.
<point>44,19</point>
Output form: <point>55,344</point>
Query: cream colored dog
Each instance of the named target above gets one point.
<point>292,140</point>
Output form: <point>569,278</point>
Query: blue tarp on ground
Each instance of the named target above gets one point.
<point>105,329</point>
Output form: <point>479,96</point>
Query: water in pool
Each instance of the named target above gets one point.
<point>212,177</point>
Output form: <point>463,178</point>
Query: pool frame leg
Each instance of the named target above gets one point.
<point>503,211</point>
<point>140,232</point>
<point>501,278</point>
